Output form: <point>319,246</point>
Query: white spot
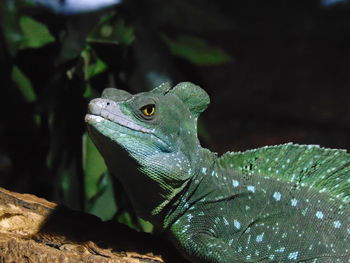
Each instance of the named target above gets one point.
<point>319,215</point>
<point>294,202</point>
<point>277,196</point>
<point>235,183</point>
<point>204,170</point>
<point>225,221</point>
<point>230,242</point>
<point>260,237</point>
<point>293,255</point>
<point>293,177</point>
<point>249,237</point>
<point>337,224</point>
<point>237,224</point>
<point>251,188</point>
<point>281,250</point>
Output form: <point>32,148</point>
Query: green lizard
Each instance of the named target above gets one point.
<point>286,203</point>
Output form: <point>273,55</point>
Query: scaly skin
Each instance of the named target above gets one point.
<point>287,203</point>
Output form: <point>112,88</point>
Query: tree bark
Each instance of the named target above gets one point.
<point>35,230</point>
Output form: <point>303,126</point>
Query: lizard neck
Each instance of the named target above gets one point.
<point>203,166</point>
<point>153,181</point>
<point>158,192</point>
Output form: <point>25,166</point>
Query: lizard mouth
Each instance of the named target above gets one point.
<point>104,109</point>
<point>107,112</point>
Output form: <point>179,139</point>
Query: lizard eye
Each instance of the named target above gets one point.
<point>148,110</point>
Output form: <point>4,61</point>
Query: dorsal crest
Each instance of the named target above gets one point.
<point>327,170</point>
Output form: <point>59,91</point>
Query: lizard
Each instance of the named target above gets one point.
<point>282,203</point>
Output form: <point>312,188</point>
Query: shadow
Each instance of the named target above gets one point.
<point>65,226</point>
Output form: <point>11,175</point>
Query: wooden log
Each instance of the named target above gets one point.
<point>33,229</point>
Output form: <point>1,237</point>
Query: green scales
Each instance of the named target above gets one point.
<point>286,203</point>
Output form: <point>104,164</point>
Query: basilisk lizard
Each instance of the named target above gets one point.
<point>285,203</point>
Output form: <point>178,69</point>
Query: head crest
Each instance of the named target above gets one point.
<point>193,96</point>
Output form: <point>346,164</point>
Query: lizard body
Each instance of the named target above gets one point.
<point>286,203</point>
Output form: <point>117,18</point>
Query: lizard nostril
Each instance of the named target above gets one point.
<point>107,103</point>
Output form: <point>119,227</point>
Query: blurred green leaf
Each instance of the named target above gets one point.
<point>146,226</point>
<point>196,50</point>
<point>24,84</point>
<point>103,204</point>
<point>96,68</point>
<point>66,183</point>
<point>92,64</point>
<point>124,33</point>
<point>35,34</point>
<point>69,183</point>
<point>88,91</point>
<point>98,183</point>
<point>94,167</point>
<point>111,30</point>
<point>10,26</point>
<point>126,219</point>
<point>203,131</point>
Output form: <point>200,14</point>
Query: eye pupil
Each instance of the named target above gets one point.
<point>148,110</point>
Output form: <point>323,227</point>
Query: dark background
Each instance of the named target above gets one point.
<point>276,71</point>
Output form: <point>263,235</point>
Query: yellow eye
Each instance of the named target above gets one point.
<point>148,110</point>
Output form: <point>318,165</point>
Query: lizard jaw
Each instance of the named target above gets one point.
<point>104,112</point>
<point>104,109</point>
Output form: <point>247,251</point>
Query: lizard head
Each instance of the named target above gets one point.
<point>158,129</point>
